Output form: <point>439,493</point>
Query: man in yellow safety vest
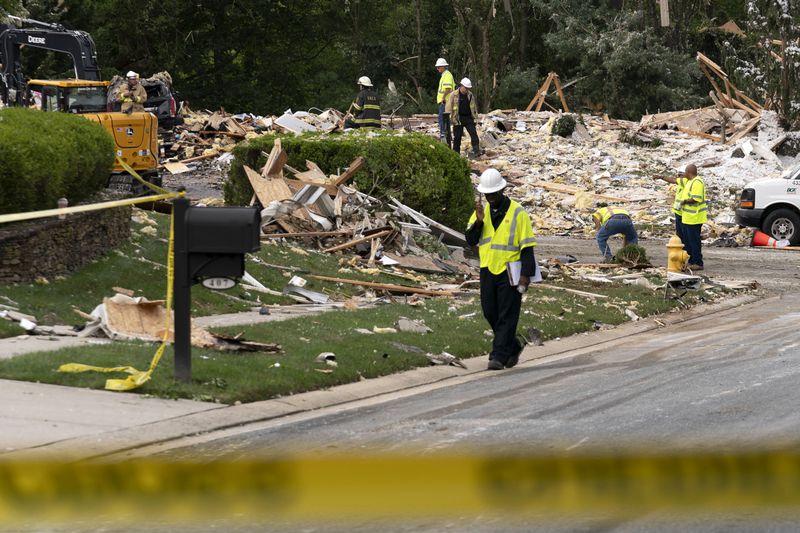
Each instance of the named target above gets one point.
<point>503,233</point>
<point>694,213</point>
<point>446,86</point>
<point>680,181</point>
<point>610,221</point>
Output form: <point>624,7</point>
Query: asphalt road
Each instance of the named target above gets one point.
<point>715,383</point>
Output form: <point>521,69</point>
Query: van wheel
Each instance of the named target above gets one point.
<point>783,224</point>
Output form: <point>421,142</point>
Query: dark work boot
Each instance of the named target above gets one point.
<point>494,364</point>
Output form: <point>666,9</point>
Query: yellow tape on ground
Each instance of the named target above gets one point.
<point>137,378</point>
<point>407,486</point>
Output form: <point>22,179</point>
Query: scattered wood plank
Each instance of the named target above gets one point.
<point>565,289</point>
<point>748,127</point>
<point>304,234</point>
<point>215,153</point>
<point>449,235</point>
<point>267,190</point>
<point>223,132</point>
<point>700,134</point>
<point>354,167</point>
<point>385,286</point>
<point>571,189</point>
<point>332,190</point>
<point>354,242</point>
<point>273,168</point>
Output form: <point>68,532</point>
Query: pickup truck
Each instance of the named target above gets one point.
<point>773,206</point>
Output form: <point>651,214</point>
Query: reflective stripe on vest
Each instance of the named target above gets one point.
<point>695,213</point>
<point>676,204</point>
<point>503,245</point>
<point>605,213</point>
<point>446,81</point>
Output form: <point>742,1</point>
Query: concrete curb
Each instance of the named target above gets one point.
<point>406,383</point>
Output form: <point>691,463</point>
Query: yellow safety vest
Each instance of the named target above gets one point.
<point>446,81</point>
<point>695,213</point>
<point>604,213</point>
<point>503,245</point>
<point>676,204</point>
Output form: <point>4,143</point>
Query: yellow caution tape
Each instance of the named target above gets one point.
<point>135,175</point>
<point>163,194</point>
<point>137,378</point>
<point>17,217</point>
<point>405,486</point>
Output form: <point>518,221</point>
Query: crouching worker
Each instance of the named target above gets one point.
<point>504,235</point>
<point>610,221</point>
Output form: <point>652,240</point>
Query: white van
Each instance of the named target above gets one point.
<point>773,206</point>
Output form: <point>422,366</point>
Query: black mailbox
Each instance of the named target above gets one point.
<point>210,242</point>
<point>218,238</point>
<point>223,230</point>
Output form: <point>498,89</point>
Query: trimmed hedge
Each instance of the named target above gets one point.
<point>47,156</point>
<point>414,168</point>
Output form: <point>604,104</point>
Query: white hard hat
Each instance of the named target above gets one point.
<point>491,181</point>
<point>365,81</point>
<point>466,83</point>
<point>131,74</point>
<point>441,62</point>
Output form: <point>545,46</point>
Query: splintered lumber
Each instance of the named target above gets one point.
<point>267,190</point>
<point>215,153</point>
<point>571,189</point>
<point>355,242</point>
<point>273,168</point>
<point>332,190</point>
<point>314,174</point>
<point>354,167</point>
<point>385,286</point>
<point>747,128</point>
<point>304,234</point>
<point>699,134</point>
<point>565,289</point>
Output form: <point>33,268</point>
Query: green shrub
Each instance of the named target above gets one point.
<point>414,168</point>
<point>564,125</point>
<point>632,256</point>
<point>46,156</point>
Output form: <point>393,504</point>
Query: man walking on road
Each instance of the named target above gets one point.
<point>609,221</point>
<point>446,86</point>
<point>463,114</point>
<point>503,233</point>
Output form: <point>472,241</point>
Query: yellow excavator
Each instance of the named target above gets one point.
<point>135,134</point>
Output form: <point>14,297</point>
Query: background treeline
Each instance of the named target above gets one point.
<point>265,56</point>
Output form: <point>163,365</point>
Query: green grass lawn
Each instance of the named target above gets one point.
<point>457,324</point>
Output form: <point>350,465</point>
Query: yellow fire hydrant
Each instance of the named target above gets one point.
<point>676,255</point>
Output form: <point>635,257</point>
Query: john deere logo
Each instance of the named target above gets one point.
<point>129,131</point>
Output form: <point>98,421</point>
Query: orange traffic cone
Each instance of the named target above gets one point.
<point>762,239</point>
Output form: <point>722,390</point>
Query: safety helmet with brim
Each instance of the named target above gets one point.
<point>466,83</point>
<point>441,62</point>
<point>491,181</point>
<point>365,81</point>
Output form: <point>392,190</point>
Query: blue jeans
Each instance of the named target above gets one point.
<point>444,126</point>
<point>692,243</point>
<point>616,225</point>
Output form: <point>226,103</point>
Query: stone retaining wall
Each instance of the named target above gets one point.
<point>53,247</point>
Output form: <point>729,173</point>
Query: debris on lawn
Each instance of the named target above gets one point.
<point>329,358</point>
<point>445,358</point>
<point>122,317</point>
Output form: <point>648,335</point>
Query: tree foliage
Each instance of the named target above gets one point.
<point>269,56</point>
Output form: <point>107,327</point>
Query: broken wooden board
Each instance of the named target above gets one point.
<point>176,168</point>
<point>296,185</point>
<point>386,286</point>
<point>273,168</point>
<point>267,190</point>
<point>354,167</point>
<point>307,234</point>
<point>354,242</point>
<point>314,174</point>
<point>419,264</point>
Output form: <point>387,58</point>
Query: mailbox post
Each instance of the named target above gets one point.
<point>210,242</point>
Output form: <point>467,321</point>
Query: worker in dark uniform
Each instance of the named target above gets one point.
<point>367,107</point>
<point>503,232</point>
